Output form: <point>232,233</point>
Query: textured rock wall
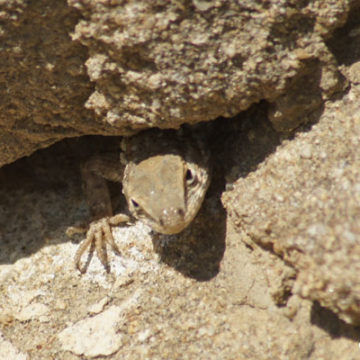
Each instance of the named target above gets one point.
<point>164,63</point>
<point>291,237</point>
<point>43,85</point>
<point>158,63</point>
<point>304,203</point>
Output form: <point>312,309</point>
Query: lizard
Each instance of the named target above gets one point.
<point>164,174</point>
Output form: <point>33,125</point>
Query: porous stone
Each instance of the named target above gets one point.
<point>304,203</point>
<point>159,63</point>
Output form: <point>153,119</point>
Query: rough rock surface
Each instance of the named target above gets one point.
<point>185,306</point>
<point>221,289</point>
<point>159,63</point>
<point>304,203</point>
<point>43,82</point>
<point>163,63</point>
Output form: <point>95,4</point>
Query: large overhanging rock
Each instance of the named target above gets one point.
<point>164,63</point>
<point>158,63</point>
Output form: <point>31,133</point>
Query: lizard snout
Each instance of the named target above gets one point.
<point>172,221</point>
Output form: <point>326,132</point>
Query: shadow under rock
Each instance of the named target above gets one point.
<point>40,196</point>
<point>198,250</point>
<point>329,322</point>
<point>344,43</point>
<point>238,145</point>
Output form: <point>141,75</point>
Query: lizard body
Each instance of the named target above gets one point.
<point>164,176</point>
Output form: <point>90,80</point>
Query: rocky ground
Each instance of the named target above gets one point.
<point>211,292</point>
<point>267,270</point>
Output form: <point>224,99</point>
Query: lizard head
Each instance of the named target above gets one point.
<point>165,190</point>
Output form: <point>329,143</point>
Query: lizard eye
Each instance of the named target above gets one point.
<point>190,177</point>
<point>135,204</point>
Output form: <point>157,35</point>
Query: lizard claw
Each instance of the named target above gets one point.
<point>98,235</point>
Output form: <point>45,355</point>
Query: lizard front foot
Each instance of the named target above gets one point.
<point>98,235</point>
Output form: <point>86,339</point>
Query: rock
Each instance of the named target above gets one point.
<point>159,64</point>
<point>98,307</point>
<point>354,73</point>
<point>274,278</point>
<point>43,80</point>
<point>146,64</point>
<point>303,203</point>
<point>33,311</point>
<point>8,351</point>
<point>94,336</point>
<point>204,294</point>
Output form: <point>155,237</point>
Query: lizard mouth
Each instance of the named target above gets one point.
<point>172,221</point>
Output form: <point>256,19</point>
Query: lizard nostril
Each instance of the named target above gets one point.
<point>181,212</point>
